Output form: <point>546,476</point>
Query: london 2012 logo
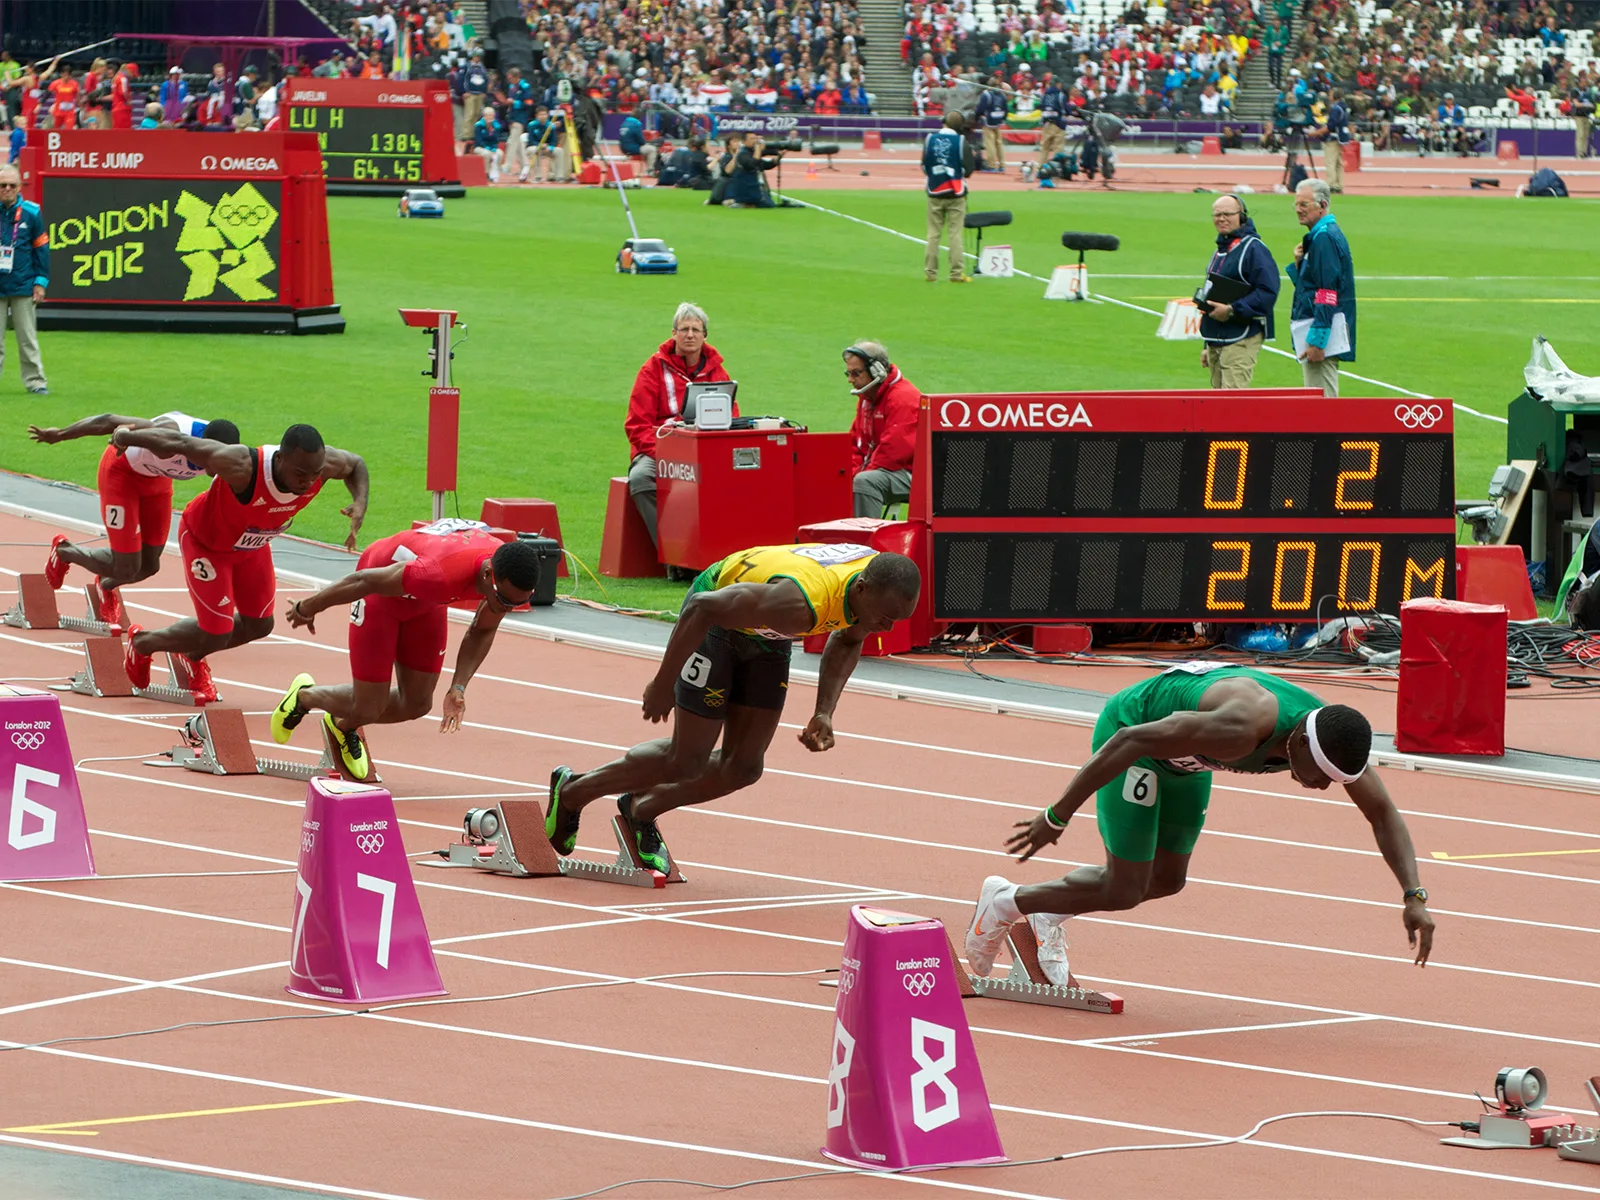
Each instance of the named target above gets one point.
<point>369,843</point>
<point>30,740</point>
<point>918,983</point>
<point>223,244</point>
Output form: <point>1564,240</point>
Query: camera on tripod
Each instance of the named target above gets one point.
<point>783,146</point>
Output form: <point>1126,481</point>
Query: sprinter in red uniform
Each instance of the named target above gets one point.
<point>135,500</point>
<point>399,599</point>
<point>225,536</point>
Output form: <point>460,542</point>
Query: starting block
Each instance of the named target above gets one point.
<point>513,843</point>
<point>1581,1148</point>
<point>35,607</point>
<point>1027,982</point>
<point>106,674</point>
<point>216,742</point>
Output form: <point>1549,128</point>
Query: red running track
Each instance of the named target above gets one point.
<point>1279,981</point>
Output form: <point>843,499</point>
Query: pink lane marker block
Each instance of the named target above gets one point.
<point>904,1086</point>
<point>46,835</point>
<point>359,936</point>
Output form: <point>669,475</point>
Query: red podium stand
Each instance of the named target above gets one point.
<point>727,490</point>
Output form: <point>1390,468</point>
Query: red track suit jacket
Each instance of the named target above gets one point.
<point>884,434</point>
<point>658,393</point>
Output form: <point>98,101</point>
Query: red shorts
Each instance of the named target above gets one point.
<point>226,581</point>
<point>136,509</point>
<point>382,637</point>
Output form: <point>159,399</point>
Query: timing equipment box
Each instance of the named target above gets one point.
<point>549,559</point>
<point>183,232</point>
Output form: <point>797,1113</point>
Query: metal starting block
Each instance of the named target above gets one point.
<point>1581,1144</point>
<point>36,608</point>
<point>1027,982</point>
<point>518,846</point>
<point>216,742</point>
<point>106,674</point>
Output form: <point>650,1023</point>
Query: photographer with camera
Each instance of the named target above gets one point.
<point>747,187</point>
<point>947,161</point>
<point>1237,298</point>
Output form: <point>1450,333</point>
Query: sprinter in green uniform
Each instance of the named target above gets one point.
<point>1155,748</point>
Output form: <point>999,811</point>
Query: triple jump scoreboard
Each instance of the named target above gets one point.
<point>1212,506</point>
<point>377,136</point>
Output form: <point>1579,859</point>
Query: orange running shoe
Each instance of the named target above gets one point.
<point>137,665</point>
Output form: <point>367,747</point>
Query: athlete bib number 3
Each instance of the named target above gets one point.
<point>1139,787</point>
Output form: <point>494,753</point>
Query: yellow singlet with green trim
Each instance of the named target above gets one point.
<point>823,572</point>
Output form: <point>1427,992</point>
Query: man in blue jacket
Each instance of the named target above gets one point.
<point>1324,290</point>
<point>990,115</point>
<point>1233,332</point>
<point>1052,124</point>
<point>24,275</point>
<point>947,161</point>
<point>486,143</point>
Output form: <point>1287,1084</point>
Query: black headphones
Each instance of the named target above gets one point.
<point>1244,211</point>
<point>877,367</point>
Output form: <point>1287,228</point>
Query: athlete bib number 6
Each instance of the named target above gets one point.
<point>1139,787</point>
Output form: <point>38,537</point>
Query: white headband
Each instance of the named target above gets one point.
<point>1321,759</point>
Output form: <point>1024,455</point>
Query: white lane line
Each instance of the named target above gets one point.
<point>131,983</point>
<point>1143,1038</point>
<point>634,1139</point>
<point>201,1168</point>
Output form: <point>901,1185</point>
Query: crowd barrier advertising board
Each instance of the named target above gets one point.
<point>377,136</point>
<point>170,230</point>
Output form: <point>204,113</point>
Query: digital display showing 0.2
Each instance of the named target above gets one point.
<point>1173,474</point>
<point>1159,575</point>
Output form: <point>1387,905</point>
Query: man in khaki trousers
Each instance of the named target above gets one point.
<point>947,161</point>
<point>24,275</point>
<point>1238,297</point>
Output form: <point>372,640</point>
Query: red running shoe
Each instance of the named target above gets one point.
<point>111,611</point>
<point>136,664</point>
<point>55,567</point>
<point>200,682</point>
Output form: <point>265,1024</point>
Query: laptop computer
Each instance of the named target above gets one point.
<point>718,413</point>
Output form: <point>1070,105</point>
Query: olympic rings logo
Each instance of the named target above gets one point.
<point>1418,416</point>
<point>369,843</point>
<point>918,983</point>
<point>241,214</point>
<point>847,980</point>
<point>27,741</point>
<point>307,839</point>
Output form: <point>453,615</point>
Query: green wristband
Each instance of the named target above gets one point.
<point>1050,817</point>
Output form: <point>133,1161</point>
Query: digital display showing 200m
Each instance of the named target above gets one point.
<point>365,145</point>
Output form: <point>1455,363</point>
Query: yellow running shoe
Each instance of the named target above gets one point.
<point>352,750</point>
<point>288,714</point>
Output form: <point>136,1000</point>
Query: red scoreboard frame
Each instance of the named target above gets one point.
<point>1263,505</point>
<point>197,232</point>
<point>378,136</point>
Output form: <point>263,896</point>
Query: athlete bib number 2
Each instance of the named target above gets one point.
<point>1139,787</point>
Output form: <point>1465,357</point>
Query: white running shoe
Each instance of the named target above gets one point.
<point>1050,930</point>
<point>987,933</point>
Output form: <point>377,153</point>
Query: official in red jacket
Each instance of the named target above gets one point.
<point>884,434</point>
<point>658,394</point>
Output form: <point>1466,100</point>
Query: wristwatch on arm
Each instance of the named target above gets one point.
<point>1417,893</point>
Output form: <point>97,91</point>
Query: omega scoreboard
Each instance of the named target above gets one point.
<point>1154,506</point>
<point>184,232</point>
<point>378,136</point>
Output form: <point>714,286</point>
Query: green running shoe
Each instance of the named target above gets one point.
<point>652,850</point>
<point>352,750</point>
<point>561,826</point>
<point>289,714</point>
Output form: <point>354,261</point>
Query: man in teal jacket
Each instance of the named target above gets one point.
<point>24,275</point>
<point>1324,290</point>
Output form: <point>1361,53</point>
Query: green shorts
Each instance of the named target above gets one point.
<point>1146,808</point>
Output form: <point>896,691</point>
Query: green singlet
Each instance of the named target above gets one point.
<point>1161,803</point>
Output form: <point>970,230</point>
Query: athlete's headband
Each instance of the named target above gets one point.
<point>1321,759</point>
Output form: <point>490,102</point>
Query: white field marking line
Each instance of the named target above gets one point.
<point>469,795</point>
<point>925,843</point>
<point>546,1126</point>
<point>133,984</point>
<point>1140,308</point>
<point>203,1169</point>
<point>750,1155</point>
<point>1189,1033</point>
<point>1011,759</point>
<point>38,889</point>
<point>597,923</point>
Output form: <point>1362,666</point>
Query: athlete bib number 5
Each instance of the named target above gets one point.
<point>696,671</point>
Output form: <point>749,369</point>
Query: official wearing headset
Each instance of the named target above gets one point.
<point>1243,272</point>
<point>883,437</point>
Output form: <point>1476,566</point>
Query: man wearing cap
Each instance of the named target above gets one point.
<point>1452,120</point>
<point>1156,746</point>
